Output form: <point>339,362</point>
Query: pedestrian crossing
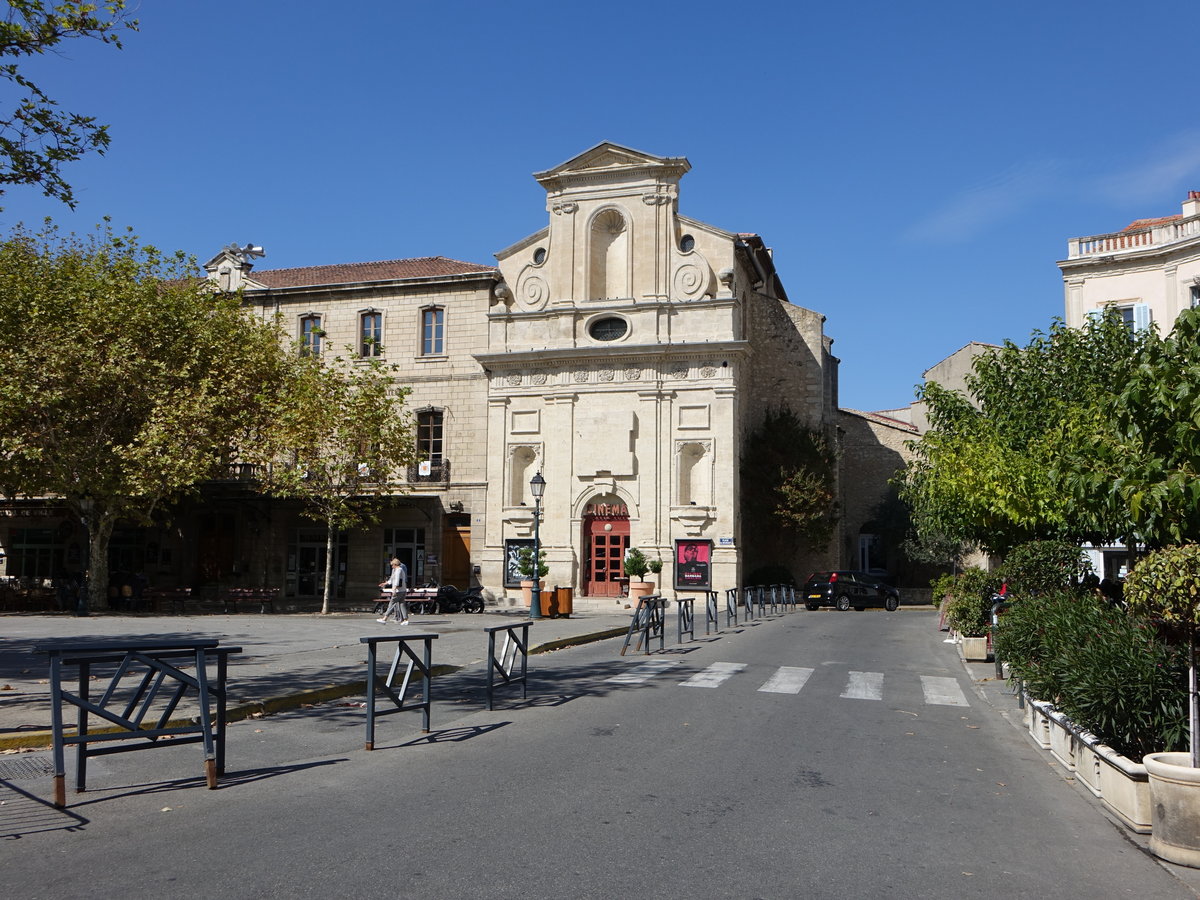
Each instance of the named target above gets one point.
<point>936,690</point>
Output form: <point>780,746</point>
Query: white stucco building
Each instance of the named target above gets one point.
<point>1149,270</point>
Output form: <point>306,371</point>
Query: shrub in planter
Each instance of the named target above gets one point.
<point>1165,585</point>
<point>525,564</point>
<point>1119,680</point>
<point>636,564</point>
<point>970,607</point>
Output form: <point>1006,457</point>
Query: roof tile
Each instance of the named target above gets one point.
<point>354,273</point>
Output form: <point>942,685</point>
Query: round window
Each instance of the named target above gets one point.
<point>686,243</point>
<point>608,329</point>
<point>539,256</point>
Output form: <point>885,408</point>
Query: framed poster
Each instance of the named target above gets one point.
<point>692,563</point>
<point>512,550</point>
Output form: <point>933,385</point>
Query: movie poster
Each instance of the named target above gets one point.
<point>512,552</point>
<point>692,564</point>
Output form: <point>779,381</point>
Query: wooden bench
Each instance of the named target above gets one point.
<point>176,598</point>
<point>264,597</point>
<point>420,600</point>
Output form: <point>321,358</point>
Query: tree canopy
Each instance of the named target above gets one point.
<point>339,439</point>
<point>36,137</point>
<point>1014,458</point>
<point>788,483</point>
<point>126,380</point>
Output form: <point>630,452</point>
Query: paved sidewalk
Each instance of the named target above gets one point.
<point>998,694</point>
<point>286,659</point>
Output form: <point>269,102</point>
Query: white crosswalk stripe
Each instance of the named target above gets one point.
<point>937,690</point>
<point>644,672</point>
<point>864,686</point>
<point>942,691</point>
<point>715,675</point>
<point>786,680</point>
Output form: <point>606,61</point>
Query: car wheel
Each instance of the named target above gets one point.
<point>891,604</point>
<point>812,606</point>
<point>842,603</point>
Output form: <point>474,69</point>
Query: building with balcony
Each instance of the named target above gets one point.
<point>1149,271</point>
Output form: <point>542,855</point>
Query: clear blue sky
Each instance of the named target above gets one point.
<point>917,166</point>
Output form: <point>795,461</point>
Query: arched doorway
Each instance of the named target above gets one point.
<point>605,540</point>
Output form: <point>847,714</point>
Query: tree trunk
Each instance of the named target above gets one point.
<point>328,592</point>
<point>99,530</point>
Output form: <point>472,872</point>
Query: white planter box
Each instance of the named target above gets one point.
<point>1039,723</point>
<point>974,649</point>
<point>1087,761</point>
<point>1125,788</point>
<point>1062,740</point>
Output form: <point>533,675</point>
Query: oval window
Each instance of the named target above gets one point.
<point>687,243</point>
<point>539,256</point>
<point>608,329</point>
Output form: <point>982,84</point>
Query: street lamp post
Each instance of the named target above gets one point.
<point>537,486</point>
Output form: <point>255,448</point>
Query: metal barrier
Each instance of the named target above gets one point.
<point>748,603</point>
<point>772,592</point>
<point>161,662</point>
<point>760,596</point>
<point>731,606</point>
<point>710,612</point>
<point>686,617</point>
<point>647,623</point>
<point>422,664</point>
<point>514,647</point>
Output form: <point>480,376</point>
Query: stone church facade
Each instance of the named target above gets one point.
<point>624,351</point>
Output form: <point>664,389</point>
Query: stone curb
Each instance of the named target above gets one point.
<point>37,740</point>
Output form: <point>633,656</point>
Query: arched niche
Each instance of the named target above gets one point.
<point>608,255</point>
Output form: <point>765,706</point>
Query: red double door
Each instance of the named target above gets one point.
<point>606,540</point>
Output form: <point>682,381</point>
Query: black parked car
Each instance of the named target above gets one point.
<point>847,589</point>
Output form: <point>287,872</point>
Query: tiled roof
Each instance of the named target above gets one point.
<point>880,418</point>
<point>1150,223</point>
<point>354,273</point>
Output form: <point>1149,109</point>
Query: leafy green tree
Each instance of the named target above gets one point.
<point>788,483</point>
<point>1153,468</point>
<point>126,378</point>
<point>338,440</point>
<point>1014,458</point>
<point>36,137</point>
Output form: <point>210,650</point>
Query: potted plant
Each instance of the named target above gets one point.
<point>636,566</point>
<point>970,612</point>
<point>525,568</point>
<point>1165,584</point>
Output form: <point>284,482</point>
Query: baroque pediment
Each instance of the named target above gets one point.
<point>607,157</point>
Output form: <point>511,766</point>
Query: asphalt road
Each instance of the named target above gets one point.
<point>816,755</point>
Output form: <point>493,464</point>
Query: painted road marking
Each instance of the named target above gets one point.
<point>942,691</point>
<point>715,675</point>
<point>644,672</point>
<point>864,686</point>
<point>786,680</point>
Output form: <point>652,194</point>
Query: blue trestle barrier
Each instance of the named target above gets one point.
<point>422,664</point>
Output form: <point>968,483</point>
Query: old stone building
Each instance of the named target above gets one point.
<point>624,351</point>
